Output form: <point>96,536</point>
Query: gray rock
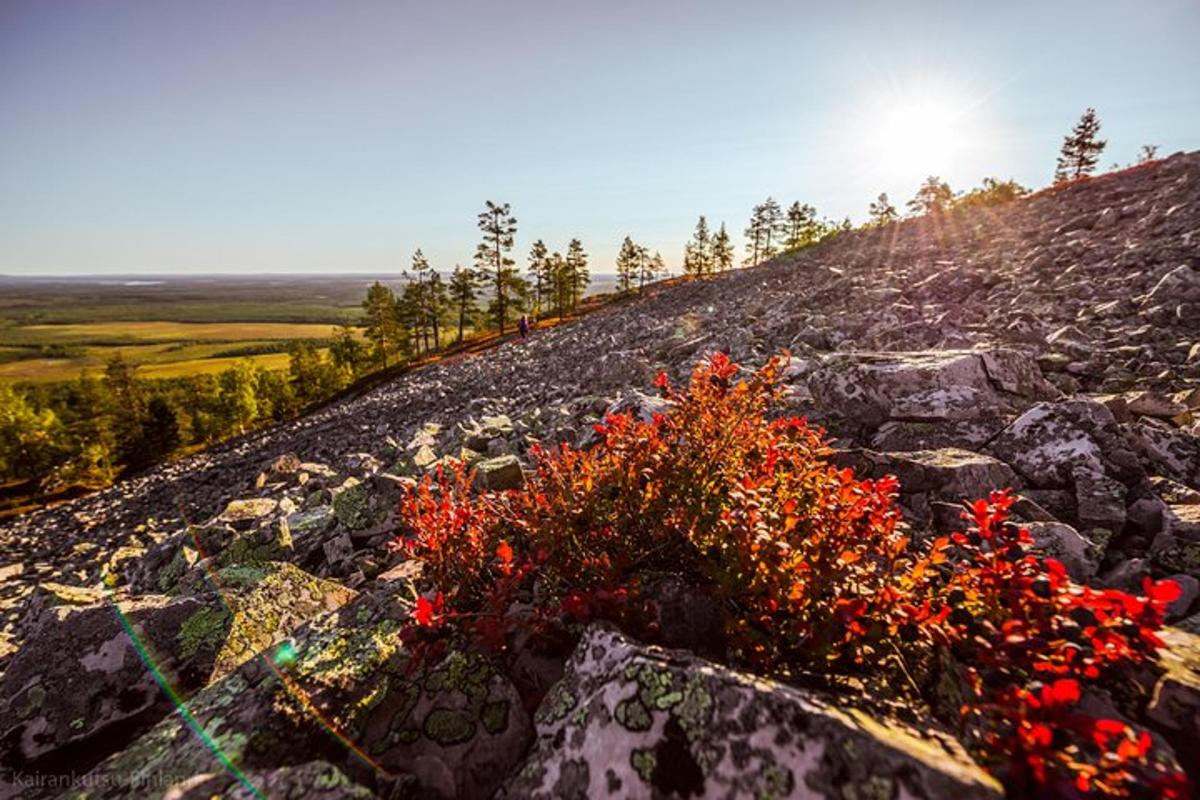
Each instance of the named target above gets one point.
<point>1061,541</point>
<point>634,721</point>
<point>500,473</point>
<point>456,726</point>
<point>338,549</point>
<point>948,474</point>
<point>1189,590</point>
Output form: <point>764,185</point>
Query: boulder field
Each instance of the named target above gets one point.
<point>228,624</point>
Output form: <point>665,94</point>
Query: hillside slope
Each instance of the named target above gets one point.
<point>1052,344</point>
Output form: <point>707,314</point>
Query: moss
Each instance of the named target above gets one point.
<point>204,630</point>
<point>643,762</point>
<point>695,709</point>
<point>556,706</point>
<point>632,715</point>
<point>873,787</point>
<point>350,506</point>
<point>241,576</point>
<point>495,716</point>
<point>777,783</point>
<point>448,726</point>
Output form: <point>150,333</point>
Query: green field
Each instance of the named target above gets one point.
<point>51,330</point>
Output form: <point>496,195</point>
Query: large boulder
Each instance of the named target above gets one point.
<point>84,678</point>
<point>947,386</point>
<point>455,725</point>
<point>1051,441</point>
<point>634,721</point>
<point>88,680</point>
<point>948,473</point>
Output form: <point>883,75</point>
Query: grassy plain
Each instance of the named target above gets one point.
<point>52,329</point>
<point>171,326</point>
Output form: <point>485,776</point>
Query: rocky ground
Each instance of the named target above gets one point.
<point>1051,345</point>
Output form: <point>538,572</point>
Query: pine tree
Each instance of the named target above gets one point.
<point>933,197</point>
<point>129,405</point>
<point>754,237</point>
<point>764,231</point>
<point>722,250</point>
<point>627,265</point>
<point>410,314</point>
<point>160,434</point>
<point>498,226</point>
<point>1148,153</point>
<point>416,301</point>
<point>382,322</point>
<point>650,267</point>
<point>562,283</point>
<point>539,273</point>
<point>800,228</point>
<point>576,264</point>
<point>437,298</point>
<point>1080,150</point>
<point>882,211</point>
<point>698,260</point>
<point>347,351</point>
<point>463,283</point>
<point>773,223</point>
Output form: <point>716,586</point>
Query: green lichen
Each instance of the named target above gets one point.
<point>242,576</point>
<point>203,631</point>
<point>330,778</point>
<point>695,708</point>
<point>632,715</point>
<point>350,506</point>
<point>495,716</point>
<point>873,787</point>
<point>556,706</point>
<point>448,726</point>
<point>643,762</point>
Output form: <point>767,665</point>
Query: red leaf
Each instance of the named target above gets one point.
<point>1164,592</point>
<point>504,552</point>
<point>425,610</point>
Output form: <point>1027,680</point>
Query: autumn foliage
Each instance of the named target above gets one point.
<point>811,571</point>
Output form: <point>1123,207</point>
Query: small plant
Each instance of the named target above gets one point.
<point>810,570</point>
<point>1032,643</point>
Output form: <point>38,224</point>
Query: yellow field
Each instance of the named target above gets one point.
<point>161,349</point>
<point>173,331</point>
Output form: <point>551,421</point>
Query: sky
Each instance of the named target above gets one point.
<point>306,136</point>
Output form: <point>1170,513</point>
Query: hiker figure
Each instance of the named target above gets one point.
<point>523,326</point>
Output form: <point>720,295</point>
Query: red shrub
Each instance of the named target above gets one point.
<point>808,568</point>
<point>1031,642</point>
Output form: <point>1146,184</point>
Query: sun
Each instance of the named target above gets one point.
<point>921,133</point>
<point>908,133</point>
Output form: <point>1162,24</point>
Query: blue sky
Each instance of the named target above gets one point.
<point>165,136</point>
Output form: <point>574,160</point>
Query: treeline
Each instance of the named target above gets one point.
<point>90,430</point>
<point>429,310</point>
